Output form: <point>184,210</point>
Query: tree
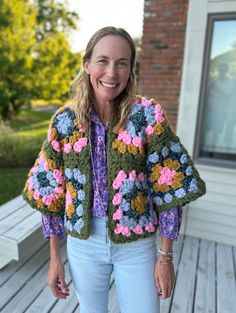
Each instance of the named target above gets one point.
<point>53,17</point>
<point>54,67</point>
<point>17,39</point>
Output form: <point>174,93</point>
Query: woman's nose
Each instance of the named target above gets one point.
<point>111,70</point>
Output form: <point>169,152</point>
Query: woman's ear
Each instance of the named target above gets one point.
<point>86,67</point>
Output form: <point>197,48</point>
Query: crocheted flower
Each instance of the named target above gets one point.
<point>45,184</point>
<point>167,176</point>
<point>131,203</point>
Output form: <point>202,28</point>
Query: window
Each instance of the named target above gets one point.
<point>216,135</point>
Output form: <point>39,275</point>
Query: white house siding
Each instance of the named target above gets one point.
<point>213,216</point>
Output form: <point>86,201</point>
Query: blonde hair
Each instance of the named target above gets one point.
<point>81,90</point>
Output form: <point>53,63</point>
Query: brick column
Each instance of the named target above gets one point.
<point>162,51</point>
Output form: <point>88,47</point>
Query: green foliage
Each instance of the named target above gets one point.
<point>53,17</point>
<point>12,182</point>
<point>20,143</point>
<point>54,67</point>
<point>36,60</point>
<point>17,39</point>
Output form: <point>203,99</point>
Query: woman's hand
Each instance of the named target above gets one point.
<point>56,279</point>
<point>164,277</point>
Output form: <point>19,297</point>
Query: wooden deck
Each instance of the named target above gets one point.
<point>205,283</point>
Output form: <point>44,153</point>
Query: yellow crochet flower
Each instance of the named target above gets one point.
<point>72,190</point>
<point>158,129</point>
<point>77,135</point>
<point>51,164</point>
<point>122,148</point>
<point>40,204</point>
<point>30,194</point>
<point>53,133</point>
<point>160,188</point>
<point>115,143</point>
<point>132,149</point>
<point>172,164</point>
<point>177,181</point>
<point>155,173</point>
<point>142,150</point>
<point>70,210</point>
<point>139,203</point>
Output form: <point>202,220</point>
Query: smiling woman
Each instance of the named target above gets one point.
<point>111,171</point>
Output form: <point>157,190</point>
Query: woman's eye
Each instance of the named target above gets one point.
<point>102,61</point>
<point>123,64</point>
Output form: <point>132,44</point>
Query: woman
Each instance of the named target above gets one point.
<point>110,171</point>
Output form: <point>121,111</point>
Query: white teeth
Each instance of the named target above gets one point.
<point>108,85</point>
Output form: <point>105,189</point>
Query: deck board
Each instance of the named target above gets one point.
<point>205,281</point>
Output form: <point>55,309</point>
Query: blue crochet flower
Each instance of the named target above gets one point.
<point>193,186</point>
<point>68,173</point>
<point>168,198</point>
<point>126,187</point>
<point>180,193</point>
<point>154,157</point>
<point>131,129</point>
<point>183,159</point>
<point>158,200</point>
<point>143,221</point>
<point>79,176</point>
<point>80,210</point>
<point>124,220</point>
<point>136,108</point>
<point>79,225</point>
<point>124,206</point>
<point>64,123</point>
<point>132,223</point>
<point>175,147</point>
<point>81,195</point>
<point>68,225</point>
<point>189,170</point>
<point>165,152</point>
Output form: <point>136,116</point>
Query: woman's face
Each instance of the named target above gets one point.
<point>109,67</point>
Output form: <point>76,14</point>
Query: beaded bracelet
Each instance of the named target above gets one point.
<point>168,260</point>
<point>165,253</point>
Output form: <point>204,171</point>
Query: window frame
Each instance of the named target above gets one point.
<point>212,17</point>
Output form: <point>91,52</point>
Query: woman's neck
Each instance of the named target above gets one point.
<point>104,111</point>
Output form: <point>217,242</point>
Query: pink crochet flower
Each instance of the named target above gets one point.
<point>117,199</point>
<point>68,198</point>
<point>48,199</point>
<point>83,141</point>
<point>117,183</point>
<point>149,130</point>
<point>59,190</point>
<point>125,137</point>
<point>56,145</point>
<point>167,176</point>
<point>118,228</point>
<point>141,177</point>
<point>78,146</point>
<point>34,169</point>
<point>117,215</point>
<point>150,227</point>
<point>138,229</point>
<point>146,102</point>
<point>137,142</point>
<point>30,183</point>
<point>159,114</point>
<point>125,231</point>
<point>132,175</point>
<point>121,175</point>
<point>36,194</point>
<point>58,176</point>
<point>45,166</point>
<point>67,148</point>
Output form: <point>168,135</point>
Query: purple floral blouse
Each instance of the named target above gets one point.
<point>53,226</point>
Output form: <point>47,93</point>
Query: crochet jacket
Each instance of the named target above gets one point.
<point>149,171</point>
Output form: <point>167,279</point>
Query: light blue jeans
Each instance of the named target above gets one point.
<point>92,262</point>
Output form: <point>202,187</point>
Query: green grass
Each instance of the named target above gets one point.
<point>12,182</point>
<point>19,146</point>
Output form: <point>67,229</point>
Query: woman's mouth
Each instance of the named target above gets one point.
<point>108,85</point>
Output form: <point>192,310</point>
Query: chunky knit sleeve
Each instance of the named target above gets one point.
<point>172,176</point>
<point>45,186</point>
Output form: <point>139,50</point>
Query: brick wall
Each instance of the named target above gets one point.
<point>162,52</point>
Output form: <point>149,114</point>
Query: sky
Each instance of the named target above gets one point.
<point>95,14</point>
<point>223,37</point>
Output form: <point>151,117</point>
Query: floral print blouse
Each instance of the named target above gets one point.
<point>53,226</point>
